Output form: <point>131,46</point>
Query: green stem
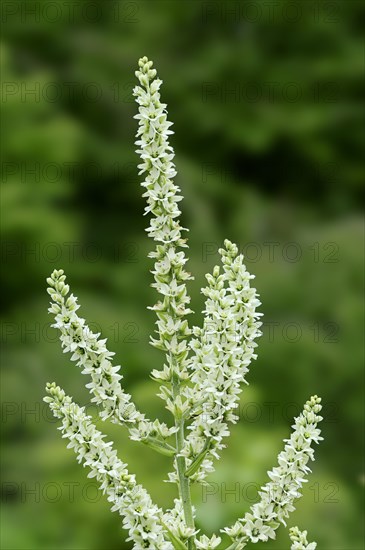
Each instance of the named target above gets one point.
<point>184,482</point>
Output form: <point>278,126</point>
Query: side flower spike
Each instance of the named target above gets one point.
<point>223,350</point>
<point>279,494</point>
<point>141,518</point>
<point>299,540</point>
<point>90,353</point>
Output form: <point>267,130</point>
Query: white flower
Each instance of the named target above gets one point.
<point>255,529</point>
<point>206,543</point>
<point>299,540</point>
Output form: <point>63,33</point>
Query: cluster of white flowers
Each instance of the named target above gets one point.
<point>141,517</point>
<point>279,494</point>
<point>90,353</point>
<point>200,382</point>
<point>299,540</point>
<point>223,348</point>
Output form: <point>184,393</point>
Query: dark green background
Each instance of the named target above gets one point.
<point>266,101</point>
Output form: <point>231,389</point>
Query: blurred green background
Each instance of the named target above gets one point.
<point>266,101</point>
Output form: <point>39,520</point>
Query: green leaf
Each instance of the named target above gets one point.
<point>199,459</point>
<point>159,446</point>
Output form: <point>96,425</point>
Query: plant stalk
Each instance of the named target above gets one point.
<point>184,482</point>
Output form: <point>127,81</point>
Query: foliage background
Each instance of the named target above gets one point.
<point>265,97</point>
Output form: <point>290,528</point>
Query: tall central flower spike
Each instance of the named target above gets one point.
<point>200,380</point>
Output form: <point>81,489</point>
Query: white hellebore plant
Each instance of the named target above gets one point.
<point>200,381</point>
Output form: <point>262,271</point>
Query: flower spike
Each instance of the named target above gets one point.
<point>90,353</point>
<point>223,350</point>
<point>279,494</point>
<point>141,517</point>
